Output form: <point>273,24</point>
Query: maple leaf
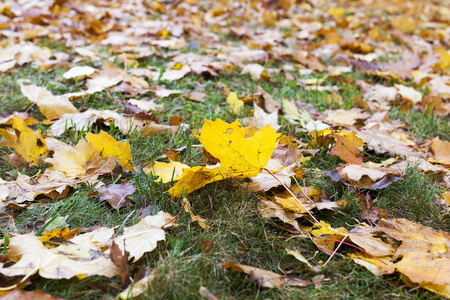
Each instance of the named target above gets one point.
<point>440,151</point>
<point>144,236</point>
<point>347,149</point>
<point>81,161</point>
<point>29,144</point>
<point>64,261</point>
<point>121,261</point>
<point>235,103</point>
<point>264,278</point>
<point>116,194</point>
<point>422,255</point>
<point>239,156</point>
<point>166,171</point>
<point>50,106</point>
<point>260,118</point>
<point>55,237</point>
<point>36,294</point>
<point>108,146</point>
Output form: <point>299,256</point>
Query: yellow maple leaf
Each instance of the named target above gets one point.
<point>235,103</point>
<point>81,160</point>
<point>58,236</point>
<point>239,156</point>
<point>108,146</point>
<point>26,142</point>
<point>166,171</point>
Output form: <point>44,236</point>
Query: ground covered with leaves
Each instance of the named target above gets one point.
<point>224,149</point>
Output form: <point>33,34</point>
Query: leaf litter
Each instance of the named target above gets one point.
<point>343,40</point>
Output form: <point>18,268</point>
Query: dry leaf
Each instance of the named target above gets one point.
<point>347,149</point>
<point>65,261</point>
<point>116,194</point>
<point>79,72</point>
<point>18,294</point>
<point>256,71</point>
<point>167,172</point>
<point>82,162</point>
<point>108,146</point>
<point>264,278</point>
<point>27,143</point>
<point>120,259</point>
<point>144,236</point>
<point>235,103</point>
<point>260,118</point>
<point>50,106</point>
<point>239,156</point>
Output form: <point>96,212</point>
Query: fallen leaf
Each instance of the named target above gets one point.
<point>342,117</point>
<point>120,259</point>
<point>369,177</point>
<point>196,96</point>
<point>260,118</point>
<point>166,171</point>
<point>144,236</point>
<point>147,105</point>
<point>264,181</point>
<point>137,288</point>
<point>256,71</point>
<point>303,117</point>
<point>55,237</point>
<point>264,278</point>
<point>79,72</point>
<point>116,194</point>
<point>347,149</point>
<point>82,162</point>
<point>50,106</point>
<point>108,146</point>
<point>27,143</point>
<point>31,257</point>
<point>204,292</point>
<point>194,218</point>
<point>239,156</point>
<point>235,103</point>
<point>440,151</point>
<point>18,294</point>
<point>422,255</point>
<point>270,209</point>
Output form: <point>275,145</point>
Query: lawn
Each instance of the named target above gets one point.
<point>345,86</point>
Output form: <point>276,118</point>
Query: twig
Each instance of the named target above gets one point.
<point>292,194</point>
<point>335,250</point>
<point>359,248</point>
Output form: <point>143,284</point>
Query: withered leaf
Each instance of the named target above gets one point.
<point>116,194</point>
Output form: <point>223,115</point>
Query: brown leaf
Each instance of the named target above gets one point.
<point>120,259</point>
<point>28,295</point>
<point>373,178</point>
<point>196,96</point>
<point>347,149</point>
<point>116,194</point>
<point>440,151</point>
<point>310,61</point>
<point>264,278</point>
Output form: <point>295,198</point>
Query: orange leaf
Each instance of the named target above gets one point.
<point>347,149</point>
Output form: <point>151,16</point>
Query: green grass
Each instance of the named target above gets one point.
<point>238,232</point>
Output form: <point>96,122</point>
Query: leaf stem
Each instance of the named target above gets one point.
<point>173,219</point>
